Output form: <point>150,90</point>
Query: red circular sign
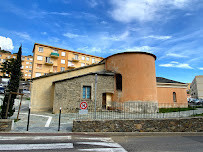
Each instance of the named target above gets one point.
<point>83,105</point>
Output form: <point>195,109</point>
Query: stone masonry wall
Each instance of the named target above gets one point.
<point>5,125</point>
<point>68,94</point>
<point>140,125</point>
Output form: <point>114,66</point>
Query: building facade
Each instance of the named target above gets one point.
<point>196,87</point>
<point>49,59</point>
<point>127,78</point>
<point>26,63</point>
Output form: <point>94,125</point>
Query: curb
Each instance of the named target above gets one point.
<point>104,134</point>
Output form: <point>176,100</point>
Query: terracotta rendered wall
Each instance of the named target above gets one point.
<point>165,96</point>
<point>138,76</point>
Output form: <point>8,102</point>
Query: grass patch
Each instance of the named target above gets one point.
<point>28,98</point>
<point>197,115</point>
<point>15,120</point>
<point>165,110</point>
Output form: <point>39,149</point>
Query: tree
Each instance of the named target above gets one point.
<point>7,66</point>
<point>13,86</point>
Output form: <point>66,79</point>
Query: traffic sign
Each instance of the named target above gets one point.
<point>83,105</point>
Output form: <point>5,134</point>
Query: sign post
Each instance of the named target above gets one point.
<point>83,107</point>
<point>95,97</point>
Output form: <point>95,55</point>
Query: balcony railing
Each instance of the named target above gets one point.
<point>71,66</point>
<point>49,63</point>
<point>75,59</point>
<point>54,55</point>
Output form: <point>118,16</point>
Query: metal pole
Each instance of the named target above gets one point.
<point>95,97</point>
<point>59,119</point>
<point>9,98</point>
<point>28,119</point>
<point>19,107</point>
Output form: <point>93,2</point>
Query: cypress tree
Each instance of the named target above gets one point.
<point>13,86</point>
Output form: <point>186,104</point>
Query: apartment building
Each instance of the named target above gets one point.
<point>26,63</point>
<point>196,87</point>
<point>49,59</point>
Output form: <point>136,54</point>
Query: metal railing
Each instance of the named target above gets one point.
<point>141,111</point>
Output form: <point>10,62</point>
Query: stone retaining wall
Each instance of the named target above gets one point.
<point>5,125</point>
<point>140,125</point>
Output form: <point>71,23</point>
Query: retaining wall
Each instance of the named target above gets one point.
<point>194,124</point>
<point>5,125</point>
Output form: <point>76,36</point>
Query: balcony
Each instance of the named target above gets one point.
<point>71,66</point>
<point>75,59</point>
<point>49,63</point>
<point>54,55</point>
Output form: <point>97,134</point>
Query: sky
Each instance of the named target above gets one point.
<point>170,29</point>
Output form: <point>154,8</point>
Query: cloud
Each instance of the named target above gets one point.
<point>176,55</point>
<point>175,64</point>
<point>144,10</point>
<point>200,68</point>
<point>6,43</point>
<point>90,50</point>
<point>158,37</point>
<point>72,36</point>
<point>92,3</point>
<point>120,37</point>
<point>44,33</point>
<point>140,48</point>
<point>23,35</point>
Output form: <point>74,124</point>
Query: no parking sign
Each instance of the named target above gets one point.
<point>83,107</point>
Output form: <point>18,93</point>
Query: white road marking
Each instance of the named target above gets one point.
<point>48,121</point>
<point>105,149</point>
<point>35,146</point>
<point>100,139</point>
<point>100,144</point>
<point>35,137</point>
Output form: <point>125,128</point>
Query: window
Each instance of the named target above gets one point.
<point>9,57</point>
<point>39,58</point>
<point>118,82</point>
<point>39,66</point>
<point>82,64</point>
<point>86,94</point>
<point>30,62</point>
<point>14,57</point>
<point>4,60</point>
<point>63,53</point>
<point>174,97</point>
<point>0,55</point>
<point>63,61</point>
<point>55,51</point>
<point>48,60</point>
<point>62,68</point>
<point>83,57</point>
<point>27,62</point>
<point>55,68</point>
<point>30,67</point>
<point>26,70</point>
<point>29,75</point>
<point>25,74</point>
<point>22,67</point>
<point>23,58</point>
<point>31,59</point>
<point>93,60</point>
<point>37,74</point>
<point>76,57</point>
<point>26,67</point>
<point>87,58</point>
<point>27,58</point>
<point>40,49</point>
<point>30,70</point>
<point>0,59</point>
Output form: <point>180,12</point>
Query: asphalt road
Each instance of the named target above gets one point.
<point>101,143</point>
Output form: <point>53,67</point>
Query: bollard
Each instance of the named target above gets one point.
<point>59,119</point>
<point>28,119</point>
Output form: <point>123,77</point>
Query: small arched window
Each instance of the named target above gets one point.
<point>174,97</point>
